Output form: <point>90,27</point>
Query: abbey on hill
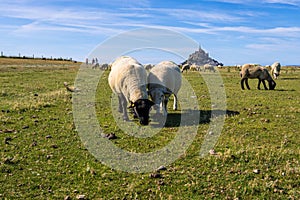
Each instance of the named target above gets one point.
<point>200,57</point>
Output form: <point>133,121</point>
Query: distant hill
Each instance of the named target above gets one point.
<point>200,57</point>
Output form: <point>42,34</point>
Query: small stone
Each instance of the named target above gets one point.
<point>7,139</point>
<point>256,171</point>
<point>155,175</point>
<point>212,152</point>
<point>80,197</point>
<point>110,136</point>
<point>33,144</point>
<point>25,127</point>
<point>67,198</point>
<point>161,168</point>
<point>8,131</point>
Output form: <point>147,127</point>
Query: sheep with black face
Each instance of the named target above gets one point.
<point>127,79</point>
<point>164,79</point>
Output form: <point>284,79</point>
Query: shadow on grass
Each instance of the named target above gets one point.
<point>174,119</point>
<point>289,78</point>
<point>284,90</point>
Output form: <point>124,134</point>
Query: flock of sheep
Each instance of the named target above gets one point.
<point>130,81</point>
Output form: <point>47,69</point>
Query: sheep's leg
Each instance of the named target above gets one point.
<point>258,86</point>
<point>123,106</point>
<point>165,104</point>
<point>242,84</point>
<point>263,81</point>
<point>175,102</point>
<point>247,84</point>
<point>120,109</point>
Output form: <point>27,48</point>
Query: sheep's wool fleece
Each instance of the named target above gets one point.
<point>165,74</point>
<point>128,77</point>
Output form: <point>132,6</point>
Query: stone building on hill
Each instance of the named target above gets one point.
<point>200,57</point>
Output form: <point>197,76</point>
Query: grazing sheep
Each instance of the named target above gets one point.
<point>164,80</point>
<point>209,67</point>
<point>195,67</point>
<point>185,67</point>
<point>275,69</point>
<point>253,71</point>
<point>127,79</point>
<point>95,66</point>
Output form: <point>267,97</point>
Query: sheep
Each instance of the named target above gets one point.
<point>95,66</point>
<point>185,67</point>
<point>195,67</point>
<point>253,71</point>
<point>164,79</point>
<point>209,67</point>
<point>127,79</point>
<point>275,69</point>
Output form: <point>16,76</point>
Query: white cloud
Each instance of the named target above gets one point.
<point>287,2</point>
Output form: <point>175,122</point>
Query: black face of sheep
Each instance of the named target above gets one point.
<point>272,85</point>
<point>276,75</point>
<point>141,109</point>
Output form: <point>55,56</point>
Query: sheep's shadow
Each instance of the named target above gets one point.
<point>284,90</point>
<point>289,78</point>
<point>175,119</point>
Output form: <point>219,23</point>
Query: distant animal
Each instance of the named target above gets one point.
<point>275,69</point>
<point>261,73</point>
<point>185,67</point>
<point>209,67</point>
<point>95,66</point>
<point>195,67</point>
<point>127,79</point>
<point>164,79</point>
<point>104,66</point>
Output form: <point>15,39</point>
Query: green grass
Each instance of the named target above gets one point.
<point>42,156</point>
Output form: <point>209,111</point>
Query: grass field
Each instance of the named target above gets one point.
<point>42,156</point>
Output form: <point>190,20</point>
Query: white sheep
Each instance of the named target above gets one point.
<point>164,80</point>
<point>209,67</point>
<point>195,67</point>
<point>254,71</point>
<point>275,69</point>
<point>127,79</point>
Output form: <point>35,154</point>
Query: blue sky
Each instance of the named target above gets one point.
<point>231,31</point>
